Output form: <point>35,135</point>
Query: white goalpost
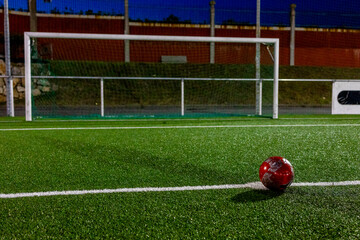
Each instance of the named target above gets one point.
<point>52,64</point>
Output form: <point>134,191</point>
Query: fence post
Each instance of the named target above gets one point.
<point>33,19</point>
<point>212,31</point>
<point>182,98</point>
<point>126,31</point>
<point>258,107</point>
<point>292,35</point>
<point>9,80</point>
<point>102,105</point>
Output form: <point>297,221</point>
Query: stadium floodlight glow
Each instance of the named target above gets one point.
<point>32,38</point>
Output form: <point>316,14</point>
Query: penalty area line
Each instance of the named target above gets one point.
<point>252,185</point>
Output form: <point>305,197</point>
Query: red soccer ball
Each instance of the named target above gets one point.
<point>276,173</point>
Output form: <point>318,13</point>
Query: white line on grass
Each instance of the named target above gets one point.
<point>179,127</point>
<point>252,185</point>
<point>195,119</point>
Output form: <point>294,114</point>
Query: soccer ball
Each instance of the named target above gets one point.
<point>276,173</point>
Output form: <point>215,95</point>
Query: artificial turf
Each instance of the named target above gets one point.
<point>201,152</point>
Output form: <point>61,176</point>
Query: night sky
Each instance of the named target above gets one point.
<point>321,13</point>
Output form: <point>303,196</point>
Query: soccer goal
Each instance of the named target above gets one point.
<point>134,76</point>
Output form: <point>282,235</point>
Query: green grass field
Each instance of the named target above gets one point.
<point>46,156</point>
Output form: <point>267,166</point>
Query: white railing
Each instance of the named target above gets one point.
<point>182,91</point>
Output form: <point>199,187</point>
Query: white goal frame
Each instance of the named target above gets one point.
<point>29,35</point>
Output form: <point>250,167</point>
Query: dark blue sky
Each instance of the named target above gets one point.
<point>322,13</point>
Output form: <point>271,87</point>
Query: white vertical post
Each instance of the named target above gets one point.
<point>276,81</point>
<point>257,63</point>
<point>182,98</point>
<point>102,96</point>
<point>28,107</point>
<point>9,80</point>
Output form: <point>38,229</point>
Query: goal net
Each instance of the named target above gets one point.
<point>133,76</point>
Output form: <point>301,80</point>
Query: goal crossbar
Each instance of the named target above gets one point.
<point>29,35</point>
<point>148,37</point>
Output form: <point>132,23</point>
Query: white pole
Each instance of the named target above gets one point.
<point>182,98</point>
<point>102,96</point>
<point>28,107</point>
<point>276,81</point>
<point>257,63</point>
<point>148,37</point>
<point>9,80</point>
